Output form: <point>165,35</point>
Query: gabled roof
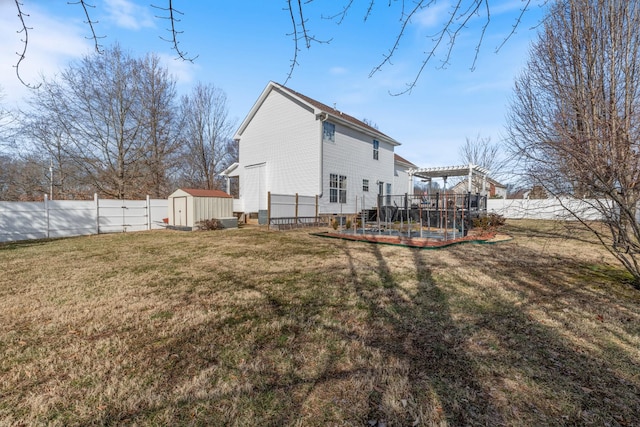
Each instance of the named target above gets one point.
<point>403,161</point>
<point>319,109</point>
<point>195,192</point>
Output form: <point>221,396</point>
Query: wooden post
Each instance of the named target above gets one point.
<point>317,207</point>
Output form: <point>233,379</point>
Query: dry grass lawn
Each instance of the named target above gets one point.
<point>254,328</point>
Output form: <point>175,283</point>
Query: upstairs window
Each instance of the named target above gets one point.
<point>337,188</point>
<point>328,132</point>
<point>376,147</point>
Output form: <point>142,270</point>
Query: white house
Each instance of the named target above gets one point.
<point>292,144</point>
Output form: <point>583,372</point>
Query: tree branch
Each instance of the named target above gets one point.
<point>174,32</point>
<point>298,20</point>
<point>95,38</point>
<point>25,44</point>
<point>516,24</point>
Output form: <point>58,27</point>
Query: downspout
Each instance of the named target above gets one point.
<point>323,117</point>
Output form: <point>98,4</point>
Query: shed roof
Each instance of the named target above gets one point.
<point>195,192</point>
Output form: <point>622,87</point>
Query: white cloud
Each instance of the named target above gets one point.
<point>126,14</point>
<point>52,43</point>
<point>433,15</point>
<point>183,71</point>
<point>338,71</point>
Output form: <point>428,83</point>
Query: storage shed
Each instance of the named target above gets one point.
<point>188,206</point>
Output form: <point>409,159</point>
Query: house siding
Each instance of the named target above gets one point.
<point>282,151</point>
<point>352,156</point>
<point>284,136</point>
<point>401,183</point>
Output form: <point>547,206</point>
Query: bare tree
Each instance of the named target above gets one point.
<point>6,121</point>
<point>161,125</point>
<point>22,178</point>
<point>302,16</point>
<point>109,121</point>
<point>42,135</point>
<point>482,152</point>
<point>97,104</point>
<point>208,146</point>
<point>575,122</point>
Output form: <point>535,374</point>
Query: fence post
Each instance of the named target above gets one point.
<point>148,213</point>
<point>317,208</point>
<point>46,215</point>
<point>268,210</point>
<point>296,208</point>
<point>97,203</point>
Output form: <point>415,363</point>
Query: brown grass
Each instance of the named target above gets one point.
<point>248,327</point>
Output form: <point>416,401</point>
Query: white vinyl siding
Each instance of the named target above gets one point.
<point>285,136</point>
<point>401,181</point>
<point>351,156</point>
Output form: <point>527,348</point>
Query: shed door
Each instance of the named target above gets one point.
<point>180,211</point>
<point>254,190</point>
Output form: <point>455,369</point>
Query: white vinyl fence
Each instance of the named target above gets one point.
<point>558,209</point>
<point>64,218</point>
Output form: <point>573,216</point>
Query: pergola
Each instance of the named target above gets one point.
<point>445,172</point>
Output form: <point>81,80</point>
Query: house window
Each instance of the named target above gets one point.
<point>337,188</point>
<point>328,132</point>
<point>376,147</point>
<point>388,193</point>
<point>365,185</point>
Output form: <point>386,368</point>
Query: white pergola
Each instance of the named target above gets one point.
<point>445,172</point>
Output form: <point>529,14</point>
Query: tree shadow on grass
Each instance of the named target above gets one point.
<point>372,341</point>
<point>568,344</point>
<point>418,330</point>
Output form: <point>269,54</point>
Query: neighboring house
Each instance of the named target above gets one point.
<point>490,187</point>
<point>292,144</point>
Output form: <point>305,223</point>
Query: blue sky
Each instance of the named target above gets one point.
<point>242,45</point>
